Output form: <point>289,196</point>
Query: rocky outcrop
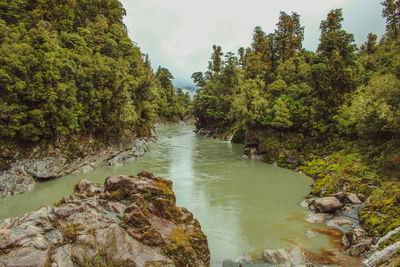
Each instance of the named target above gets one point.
<point>131,221</point>
<point>22,174</point>
<point>213,134</point>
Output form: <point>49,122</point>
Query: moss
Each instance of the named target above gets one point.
<point>382,213</point>
<point>166,189</point>
<point>120,194</point>
<point>117,195</point>
<point>165,250</point>
<point>70,232</point>
<point>147,195</point>
<point>179,237</point>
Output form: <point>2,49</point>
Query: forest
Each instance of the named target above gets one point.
<point>338,107</point>
<point>68,69</point>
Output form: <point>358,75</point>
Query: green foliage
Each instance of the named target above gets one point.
<point>338,108</point>
<point>172,104</point>
<point>374,109</point>
<point>68,68</point>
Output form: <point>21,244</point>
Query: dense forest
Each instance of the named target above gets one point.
<point>68,68</point>
<point>337,107</point>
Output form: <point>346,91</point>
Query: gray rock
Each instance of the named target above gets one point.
<point>327,204</point>
<point>356,236</point>
<point>47,168</point>
<point>61,257</point>
<point>243,259</point>
<point>382,255</point>
<point>307,202</point>
<point>21,176</point>
<point>24,257</point>
<point>278,256</point>
<point>345,241</point>
<point>353,199</point>
<point>15,182</point>
<point>387,236</point>
<point>359,249</point>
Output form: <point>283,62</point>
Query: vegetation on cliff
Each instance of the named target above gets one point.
<point>335,109</point>
<point>68,69</point>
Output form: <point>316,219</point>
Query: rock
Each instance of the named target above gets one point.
<point>327,204</point>
<point>355,236</point>
<point>307,202</point>
<point>88,188</point>
<point>252,153</point>
<point>310,234</point>
<point>244,259</point>
<point>339,221</point>
<point>386,237</point>
<point>15,182</point>
<point>345,241</point>
<point>24,257</point>
<point>341,196</point>
<point>357,250</point>
<point>361,197</point>
<point>291,156</point>
<point>318,217</point>
<point>45,168</point>
<point>131,221</point>
<point>21,176</point>
<point>383,255</point>
<point>279,256</point>
<point>353,199</point>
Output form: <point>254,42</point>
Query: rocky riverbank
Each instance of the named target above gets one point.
<point>53,163</point>
<point>131,221</point>
<point>335,200</point>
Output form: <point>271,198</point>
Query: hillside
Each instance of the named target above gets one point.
<point>69,70</point>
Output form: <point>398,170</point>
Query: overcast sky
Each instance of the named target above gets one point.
<point>179,34</point>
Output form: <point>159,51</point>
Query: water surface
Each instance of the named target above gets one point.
<point>244,206</point>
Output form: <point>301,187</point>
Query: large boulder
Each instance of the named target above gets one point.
<point>131,221</point>
<point>327,204</point>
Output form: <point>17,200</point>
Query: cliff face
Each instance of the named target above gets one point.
<point>49,164</point>
<point>131,221</point>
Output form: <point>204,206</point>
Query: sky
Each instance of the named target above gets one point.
<point>179,34</point>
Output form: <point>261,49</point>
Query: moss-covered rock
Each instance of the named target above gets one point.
<point>131,221</point>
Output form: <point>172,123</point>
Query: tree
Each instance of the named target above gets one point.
<point>391,11</point>
<point>334,40</point>
<point>332,70</point>
<point>216,61</point>
<point>373,111</point>
<point>257,60</point>
<point>370,46</point>
<point>199,79</point>
<point>289,35</point>
<point>241,53</point>
<point>282,117</point>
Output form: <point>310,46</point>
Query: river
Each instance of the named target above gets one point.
<point>244,206</point>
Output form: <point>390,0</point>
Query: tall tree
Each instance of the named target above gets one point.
<point>216,61</point>
<point>334,40</point>
<point>257,58</point>
<point>289,35</point>
<point>332,73</point>
<point>391,11</point>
